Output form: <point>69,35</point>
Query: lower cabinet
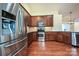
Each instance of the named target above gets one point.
<point>50,36</point>
<point>29,36</point>
<point>59,37</point>
<point>64,37</point>
<point>67,37</point>
<point>32,36</point>
<point>35,36</point>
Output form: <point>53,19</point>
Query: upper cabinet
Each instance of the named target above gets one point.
<point>33,21</point>
<point>48,20</point>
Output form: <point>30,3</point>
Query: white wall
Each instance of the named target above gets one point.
<point>57,23</point>
<point>27,7</point>
<point>38,9</point>
<point>43,12</point>
<point>76,26</point>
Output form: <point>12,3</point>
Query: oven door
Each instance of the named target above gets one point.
<point>41,36</point>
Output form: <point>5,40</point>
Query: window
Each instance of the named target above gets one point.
<point>66,27</point>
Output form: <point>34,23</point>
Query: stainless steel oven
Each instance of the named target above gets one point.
<point>41,31</point>
<point>41,36</point>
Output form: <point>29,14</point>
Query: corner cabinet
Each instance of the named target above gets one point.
<point>67,37</point>
<point>64,37</point>
<point>48,20</point>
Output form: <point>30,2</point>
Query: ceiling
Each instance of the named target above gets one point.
<point>60,8</point>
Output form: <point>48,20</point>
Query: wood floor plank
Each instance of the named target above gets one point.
<point>49,48</point>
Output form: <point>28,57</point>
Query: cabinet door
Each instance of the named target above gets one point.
<point>33,21</point>
<point>46,36</point>
<point>45,20</point>
<point>29,38</point>
<point>60,37</point>
<point>48,20</point>
<point>35,36</point>
<point>53,36</point>
<point>67,37</point>
<point>50,36</point>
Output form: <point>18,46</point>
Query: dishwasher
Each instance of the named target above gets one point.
<point>75,38</point>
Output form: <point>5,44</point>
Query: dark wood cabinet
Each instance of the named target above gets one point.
<point>33,21</point>
<point>29,36</point>
<point>50,36</point>
<point>67,37</point>
<point>48,20</point>
<point>35,36</point>
<point>28,20</point>
<point>46,36</point>
<point>64,37</point>
<point>59,37</point>
<point>32,36</point>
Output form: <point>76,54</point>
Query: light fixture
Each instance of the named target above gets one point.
<point>70,20</point>
<point>70,16</point>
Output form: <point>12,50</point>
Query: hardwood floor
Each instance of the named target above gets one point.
<point>49,48</point>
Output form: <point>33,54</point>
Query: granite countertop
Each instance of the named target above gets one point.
<point>54,31</point>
